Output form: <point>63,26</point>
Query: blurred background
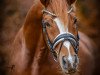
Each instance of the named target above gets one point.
<point>12,16</point>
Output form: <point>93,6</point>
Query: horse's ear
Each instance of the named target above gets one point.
<point>45,2</point>
<point>70,2</point>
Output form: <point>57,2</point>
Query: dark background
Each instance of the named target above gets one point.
<point>12,16</point>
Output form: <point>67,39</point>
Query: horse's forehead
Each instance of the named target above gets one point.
<point>60,25</point>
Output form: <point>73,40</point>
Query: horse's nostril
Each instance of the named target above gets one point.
<point>67,65</point>
<point>64,62</point>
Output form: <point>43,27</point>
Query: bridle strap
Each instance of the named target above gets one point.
<point>48,40</point>
<point>46,11</point>
<point>67,37</point>
<point>60,48</point>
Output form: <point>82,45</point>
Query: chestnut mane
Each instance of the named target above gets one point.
<point>60,8</point>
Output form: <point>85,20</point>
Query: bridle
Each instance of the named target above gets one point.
<point>74,40</point>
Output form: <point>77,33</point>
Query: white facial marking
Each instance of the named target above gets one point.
<point>66,43</point>
<point>60,26</point>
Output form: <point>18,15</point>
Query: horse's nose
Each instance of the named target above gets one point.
<point>64,62</point>
<point>67,64</point>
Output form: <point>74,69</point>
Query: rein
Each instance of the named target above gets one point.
<point>60,38</point>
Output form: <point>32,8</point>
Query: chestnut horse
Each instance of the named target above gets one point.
<point>48,43</point>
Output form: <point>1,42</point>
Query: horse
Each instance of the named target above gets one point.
<point>49,43</point>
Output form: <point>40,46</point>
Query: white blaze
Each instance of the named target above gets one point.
<point>60,26</point>
<point>67,45</point>
<point>63,30</point>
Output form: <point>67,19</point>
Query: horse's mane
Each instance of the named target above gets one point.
<point>58,6</point>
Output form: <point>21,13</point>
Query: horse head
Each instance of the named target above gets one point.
<point>60,31</point>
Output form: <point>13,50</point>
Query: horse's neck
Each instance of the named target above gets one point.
<point>33,36</point>
<point>32,51</point>
<point>29,43</point>
<point>32,28</point>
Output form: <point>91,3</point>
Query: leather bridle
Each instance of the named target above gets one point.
<point>74,40</point>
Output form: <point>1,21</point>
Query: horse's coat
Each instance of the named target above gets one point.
<point>30,53</point>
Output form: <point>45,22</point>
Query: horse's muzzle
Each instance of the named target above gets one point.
<point>68,67</point>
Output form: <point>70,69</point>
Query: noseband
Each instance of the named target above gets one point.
<point>60,38</point>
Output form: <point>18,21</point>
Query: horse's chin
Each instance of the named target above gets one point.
<point>66,71</point>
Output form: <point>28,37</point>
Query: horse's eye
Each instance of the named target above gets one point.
<point>48,24</point>
<point>75,20</point>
